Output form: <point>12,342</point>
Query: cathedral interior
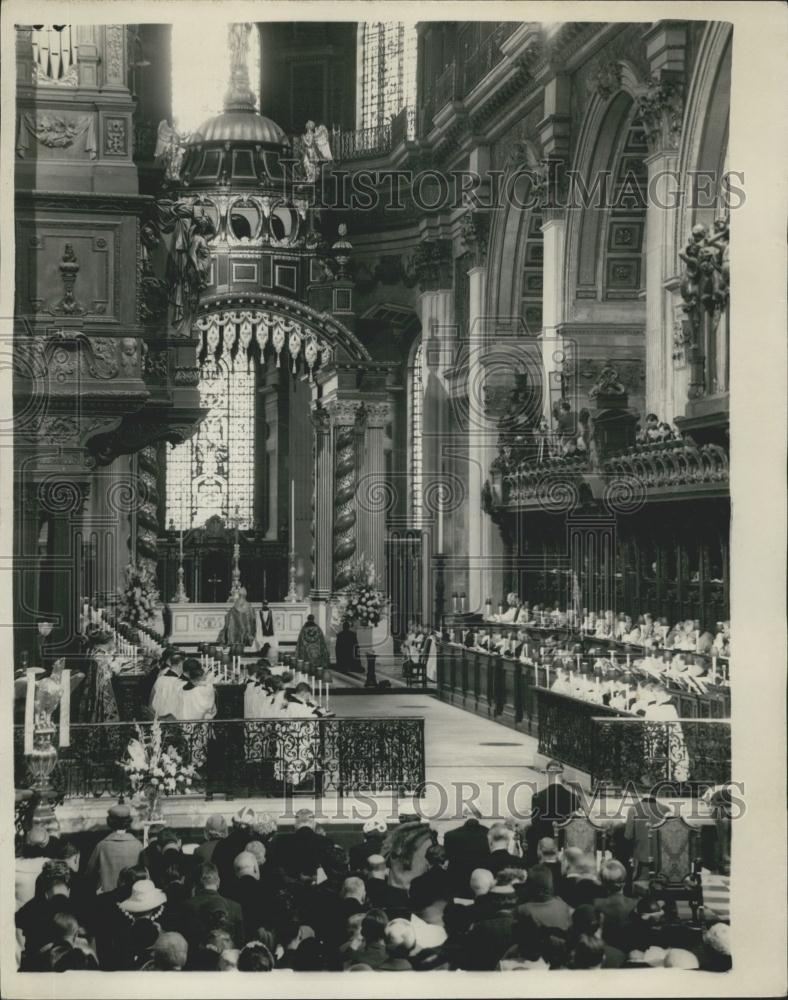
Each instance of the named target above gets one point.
<point>241,327</point>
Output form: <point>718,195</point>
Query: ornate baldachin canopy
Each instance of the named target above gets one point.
<point>266,327</point>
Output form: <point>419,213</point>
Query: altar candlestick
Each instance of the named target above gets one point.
<point>328,693</point>
<point>578,662</point>
<point>30,701</point>
<point>536,675</point>
<point>65,709</point>
<point>629,660</point>
<point>180,544</point>
<point>312,684</point>
<point>319,691</point>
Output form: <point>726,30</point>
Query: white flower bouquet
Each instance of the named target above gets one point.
<point>362,601</point>
<point>150,766</point>
<point>138,600</point>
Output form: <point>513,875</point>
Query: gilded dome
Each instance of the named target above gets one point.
<point>245,125</point>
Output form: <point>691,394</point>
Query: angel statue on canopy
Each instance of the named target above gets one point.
<point>314,150</point>
<point>170,149</point>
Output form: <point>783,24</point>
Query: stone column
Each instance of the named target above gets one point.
<point>439,343</point>
<point>661,109</point>
<point>485,546</point>
<point>372,488</point>
<point>553,348</point>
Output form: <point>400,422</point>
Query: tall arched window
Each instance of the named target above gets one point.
<point>213,472</point>
<point>387,71</point>
<point>416,410</point>
<point>200,78</point>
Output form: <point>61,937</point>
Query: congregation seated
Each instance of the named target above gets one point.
<point>270,900</point>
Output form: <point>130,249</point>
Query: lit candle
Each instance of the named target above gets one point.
<point>30,700</point>
<point>578,662</point>
<point>319,691</point>
<point>328,693</point>
<point>462,604</point>
<point>65,709</point>
<point>292,515</point>
<point>440,521</point>
<point>547,674</point>
<point>536,675</point>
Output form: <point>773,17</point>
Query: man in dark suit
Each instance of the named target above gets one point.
<point>466,848</point>
<point>291,851</point>
<point>501,840</point>
<point>208,910</point>
<point>552,804</point>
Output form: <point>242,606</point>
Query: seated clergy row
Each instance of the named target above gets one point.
<point>183,689</point>
<point>643,630</point>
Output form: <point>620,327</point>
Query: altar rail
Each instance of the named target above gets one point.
<point>237,757</point>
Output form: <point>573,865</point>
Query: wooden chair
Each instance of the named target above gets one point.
<point>674,865</point>
<point>581,832</point>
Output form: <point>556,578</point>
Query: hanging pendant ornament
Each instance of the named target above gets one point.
<point>212,338</point>
<point>294,343</point>
<point>261,334</point>
<point>228,337</point>
<point>310,355</point>
<point>244,334</point>
<point>278,339</point>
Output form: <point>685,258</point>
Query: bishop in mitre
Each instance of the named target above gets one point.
<point>240,623</point>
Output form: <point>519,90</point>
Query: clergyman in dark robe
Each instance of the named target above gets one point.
<point>311,645</point>
<point>347,653</point>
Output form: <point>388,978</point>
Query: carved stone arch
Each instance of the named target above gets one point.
<point>605,124</point>
<point>509,233</point>
<point>325,328</point>
<point>704,135</point>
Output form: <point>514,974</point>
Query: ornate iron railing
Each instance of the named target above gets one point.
<point>274,757</point>
<point>684,753</point>
<point>618,750</point>
<point>446,89</point>
<point>361,143</point>
<point>483,60</point>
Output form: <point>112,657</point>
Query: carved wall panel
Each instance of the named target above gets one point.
<point>68,268</point>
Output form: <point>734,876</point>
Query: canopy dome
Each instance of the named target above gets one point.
<point>246,125</point>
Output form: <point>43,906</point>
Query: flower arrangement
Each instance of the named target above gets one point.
<point>362,601</point>
<point>139,598</point>
<point>152,768</point>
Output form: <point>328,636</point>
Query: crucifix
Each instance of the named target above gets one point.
<point>214,581</point>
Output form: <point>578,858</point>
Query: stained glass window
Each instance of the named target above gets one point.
<point>416,401</point>
<point>200,78</point>
<point>388,71</point>
<point>213,472</point>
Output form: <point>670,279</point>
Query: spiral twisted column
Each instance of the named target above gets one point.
<point>144,515</point>
<point>322,523</point>
<point>349,418</point>
<point>374,497</point>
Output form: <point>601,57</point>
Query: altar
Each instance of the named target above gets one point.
<point>195,623</point>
